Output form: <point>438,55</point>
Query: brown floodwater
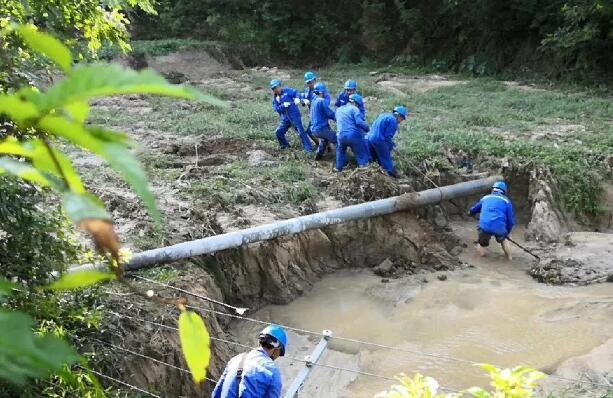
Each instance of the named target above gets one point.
<point>493,313</point>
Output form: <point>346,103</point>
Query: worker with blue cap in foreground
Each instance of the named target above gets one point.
<point>351,129</point>
<point>254,374</point>
<point>285,102</point>
<point>381,138</point>
<point>497,219</point>
<point>351,87</point>
<point>320,114</point>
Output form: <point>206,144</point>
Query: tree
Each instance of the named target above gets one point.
<point>60,112</point>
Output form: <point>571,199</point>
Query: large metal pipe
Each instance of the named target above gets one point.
<point>300,224</point>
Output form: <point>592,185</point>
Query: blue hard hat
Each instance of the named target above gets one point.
<point>501,185</point>
<point>351,85</point>
<point>357,98</point>
<point>402,111</point>
<point>274,83</point>
<point>320,88</point>
<point>309,76</point>
<point>278,333</point>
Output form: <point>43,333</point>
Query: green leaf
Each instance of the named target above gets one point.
<point>99,80</point>
<point>25,355</point>
<point>46,45</point>
<point>13,147</point>
<point>110,136</point>
<point>42,160</point>
<point>80,279</point>
<point>478,392</point>
<point>111,150</point>
<point>195,344</point>
<point>78,111</point>
<point>122,161</point>
<point>6,287</point>
<point>39,154</point>
<point>17,109</point>
<point>23,171</point>
<point>83,206</point>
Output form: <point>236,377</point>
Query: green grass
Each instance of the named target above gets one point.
<point>480,117</point>
<point>156,47</point>
<point>162,274</point>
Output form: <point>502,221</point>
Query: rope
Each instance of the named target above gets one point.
<point>146,357</point>
<point>238,310</point>
<point>135,388</point>
<point>176,329</point>
<point>253,320</point>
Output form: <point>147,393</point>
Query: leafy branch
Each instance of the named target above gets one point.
<point>60,112</point>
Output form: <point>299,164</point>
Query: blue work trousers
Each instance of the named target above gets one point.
<point>325,136</point>
<point>284,124</point>
<point>382,153</point>
<point>359,147</point>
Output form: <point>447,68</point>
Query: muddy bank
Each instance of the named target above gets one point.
<point>269,272</point>
<point>595,366</point>
<point>582,258</point>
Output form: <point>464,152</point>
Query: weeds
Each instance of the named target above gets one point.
<point>569,132</point>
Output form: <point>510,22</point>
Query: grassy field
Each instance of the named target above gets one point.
<point>568,130</point>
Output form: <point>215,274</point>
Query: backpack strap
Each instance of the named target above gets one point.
<point>239,371</point>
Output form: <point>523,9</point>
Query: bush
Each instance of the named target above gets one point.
<point>479,37</point>
<point>35,238</point>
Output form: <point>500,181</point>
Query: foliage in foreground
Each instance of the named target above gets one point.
<point>83,25</point>
<point>518,382</point>
<point>60,113</point>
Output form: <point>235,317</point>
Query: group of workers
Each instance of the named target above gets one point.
<point>368,143</point>
<point>254,374</point>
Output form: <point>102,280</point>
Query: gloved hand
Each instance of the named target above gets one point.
<point>286,104</point>
<point>306,102</point>
<point>297,101</point>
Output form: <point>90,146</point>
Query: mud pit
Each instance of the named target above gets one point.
<point>492,312</point>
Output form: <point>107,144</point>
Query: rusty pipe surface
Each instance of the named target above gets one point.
<point>296,225</point>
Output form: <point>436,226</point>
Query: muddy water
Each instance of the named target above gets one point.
<point>491,313</point>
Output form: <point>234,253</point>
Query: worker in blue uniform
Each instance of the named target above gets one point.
<point>320,114</point>
<point>307,97</point>
<point>351,87</point>
<point>285,101</point>
<point>381,138</point>
<point>351,129</point>
<point>497,218</point>
<point>254,374</point>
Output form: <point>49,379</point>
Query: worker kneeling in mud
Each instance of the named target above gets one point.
<point>284,102</point>
<point>351,129</point>
<point>381,138</point>
<point>497,218</point>
<point>254,374</point>
<point>320,114</point>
